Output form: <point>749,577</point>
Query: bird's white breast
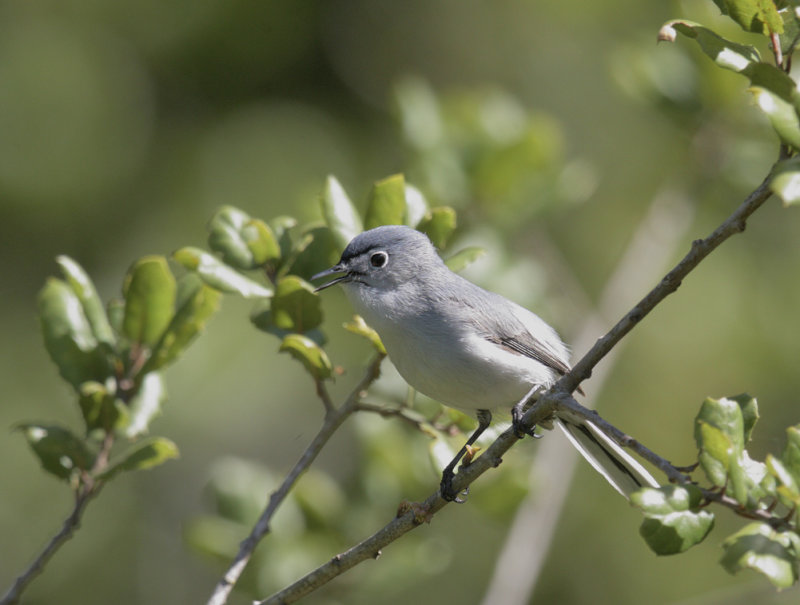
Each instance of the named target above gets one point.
<point>443,356</point>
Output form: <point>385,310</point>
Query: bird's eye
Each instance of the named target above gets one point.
<point>378,259</point>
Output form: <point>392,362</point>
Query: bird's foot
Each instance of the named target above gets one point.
<point>447,492</point>
<point>521,430</point>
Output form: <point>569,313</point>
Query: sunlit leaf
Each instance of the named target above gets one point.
<point>149,293</point>
<point>416,206</point>
<point>145,406</point>
<point>781,114</point>
<point>146,454</point>
<point>218,275</point>
<point>262,242</point>
<point>68,336</point>
<point>93,308</point>
<point>785,181</point>
<point>464,258</point>
<point>674,521</point>
<point>787,485</point>
<point>749,407</point>
<point>757,16</point>
<point>358,326</point>
<point>340,214</point>
<point>725,53</point>
<point>774,90</point>
<point>387,203</point>
<point>768,551</point>
<point>196,303</point>
<point>309,353</point>
<point>225,237</point>
<point>60,452</point>
<point>439,224</point>
<point>719,433</point>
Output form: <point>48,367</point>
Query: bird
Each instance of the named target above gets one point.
<point>464,346</point>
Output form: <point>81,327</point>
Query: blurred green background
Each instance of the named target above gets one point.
<point>124,125</point>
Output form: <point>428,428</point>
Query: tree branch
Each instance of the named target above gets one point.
<point>87,489</point>
<point>334,417</point>
<point>557,400</point>
<point>700,249</point>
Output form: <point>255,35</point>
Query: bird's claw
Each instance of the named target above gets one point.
<point>521,430</point>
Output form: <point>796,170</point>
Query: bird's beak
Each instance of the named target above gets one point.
<point>332,271</point>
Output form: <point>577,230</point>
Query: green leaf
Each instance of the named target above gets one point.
<point>145,454</point>
<point>225,237</point>
<point>68,336</point>
<point>93,308</point>
<point>100,409</point>
<point>218,275</point>
<point>387,203</point>
<point>244,242</point>
<point>358,326</point>
<point>261,241</point>
<point>115,310</point>
<point>60,452</point>
<point>416,206</point>
<point>309,353</point>
<point>149,293</point>
<point>439,225</point>
<point>340,214</point>
<point>295,307</point>
<point>317,254</point>
<point>780,113</point>
<point>464,258</point>
<point>674,521</point>
<point>791,453</point>
<point>749,407</point>
<point>774,90</point>
<point>785,181</point>
<point>719,433</point>
<point>787,488</point>
<point>144,406</point>
<point>196,303</point>
<point>725,53</point>
<point>757,16</point>
<point>791,29</point>
<point>768,551</point>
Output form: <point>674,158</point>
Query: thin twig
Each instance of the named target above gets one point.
<point>87,489</point>
<point>334,417</point>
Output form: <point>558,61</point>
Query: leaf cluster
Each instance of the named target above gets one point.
<point>677,516</point>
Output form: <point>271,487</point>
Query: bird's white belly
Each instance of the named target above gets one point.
<point>466,372</point>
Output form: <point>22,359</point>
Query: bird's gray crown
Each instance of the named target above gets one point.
<point>389,237</point>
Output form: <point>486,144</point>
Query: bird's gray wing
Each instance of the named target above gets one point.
<point>526,344</point>
<point>498,324</point>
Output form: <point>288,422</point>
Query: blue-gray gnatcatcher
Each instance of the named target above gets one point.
<point>461,345</point>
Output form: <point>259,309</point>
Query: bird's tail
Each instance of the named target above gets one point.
<point>619,468</point>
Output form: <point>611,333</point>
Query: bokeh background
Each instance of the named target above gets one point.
<point>551,126</point>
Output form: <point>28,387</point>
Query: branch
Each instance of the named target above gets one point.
<point>700,249</point>
<point>334,417</point>
<point>556,400</point>
<point>88,488</point>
